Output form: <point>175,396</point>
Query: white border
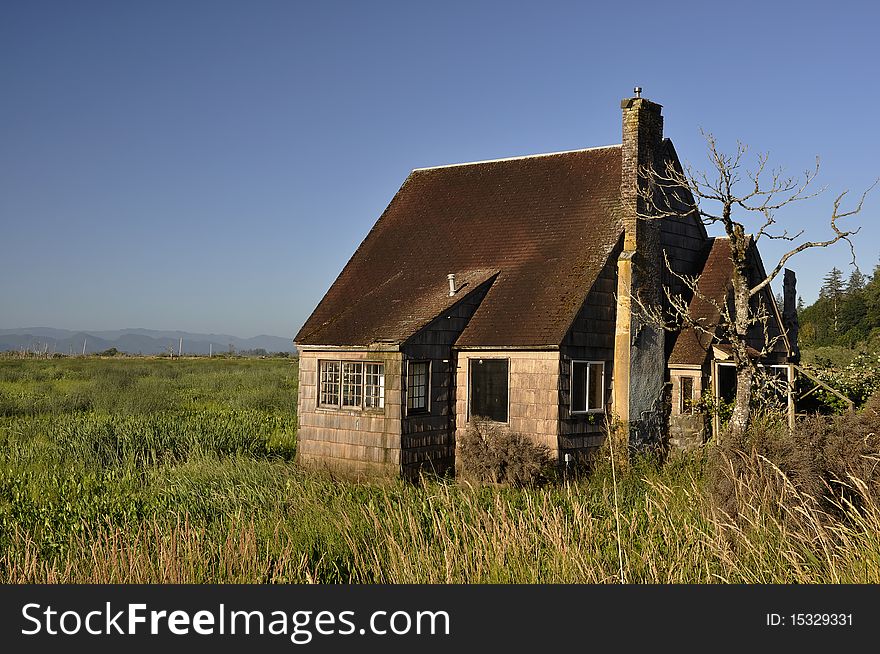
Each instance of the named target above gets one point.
<point>571,387</point>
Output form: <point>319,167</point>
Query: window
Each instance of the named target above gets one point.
<point>487,389</point>
<point>329,383</point>
<point>418,373</point>
<point>374,385</point>
<point>587,386</point>
<point>686,395</point>
<point>726,383</point>
<point>771,383</point>
<point>352,385</point>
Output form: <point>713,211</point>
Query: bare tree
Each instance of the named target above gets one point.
<point>741,200</point>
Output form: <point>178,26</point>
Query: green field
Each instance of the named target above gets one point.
<point>150,470</point>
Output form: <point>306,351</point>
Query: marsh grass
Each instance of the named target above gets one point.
<point>196,483</point>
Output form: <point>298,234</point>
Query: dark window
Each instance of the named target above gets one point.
<point>587,386</point>
<point>488,389</point>
<point>727,383</point>
<point>772,383</point>
<point>686,390</point>
<point>417,386</point>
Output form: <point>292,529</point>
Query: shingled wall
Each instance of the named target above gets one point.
<point>352,441</point>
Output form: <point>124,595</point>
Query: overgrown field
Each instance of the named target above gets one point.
<point>140,470</point>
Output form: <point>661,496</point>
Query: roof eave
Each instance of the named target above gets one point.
<point>373,347</point>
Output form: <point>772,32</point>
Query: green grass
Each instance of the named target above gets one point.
<point>146,471</point>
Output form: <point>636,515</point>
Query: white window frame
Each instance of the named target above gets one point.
<point>379,397</point>
<point>588,410</point>
<point>351,385</point>
<point>332,385</point>
<point>427,408</point>
<point>339,406</point>
<point>726,364</point>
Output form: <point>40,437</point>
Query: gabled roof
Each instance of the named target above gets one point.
<point>692,345</point>
<point>538,228</point>
<point>713,289</point>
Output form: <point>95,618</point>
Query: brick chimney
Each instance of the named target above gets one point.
<point>639,357</point>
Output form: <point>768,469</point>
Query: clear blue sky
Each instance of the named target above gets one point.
<point>210,166</point>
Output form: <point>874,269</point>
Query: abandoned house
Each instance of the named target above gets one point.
<point>502,289</point>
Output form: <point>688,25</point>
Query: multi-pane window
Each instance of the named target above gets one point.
<point>587,386</point>
<point>374,385</point>
<point>417,386</point>
<point>329,383</point>
<point>686,391</point>
<point>487,389</point>
<point>352,385</point>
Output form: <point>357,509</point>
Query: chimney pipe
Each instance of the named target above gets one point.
<point>451,278</point>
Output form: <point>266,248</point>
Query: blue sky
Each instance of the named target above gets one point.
<point>211,166</point>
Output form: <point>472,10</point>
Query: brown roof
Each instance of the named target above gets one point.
<point>545,225</point>
<point>692,345</point>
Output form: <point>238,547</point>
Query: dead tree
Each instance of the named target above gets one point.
<point>744,202</point>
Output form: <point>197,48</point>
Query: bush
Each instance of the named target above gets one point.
<point>858,380</point>
<point>819,458</point>
<point>489,452</point>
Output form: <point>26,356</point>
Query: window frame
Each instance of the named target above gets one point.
<point>351,384</point>
<point>589,364</point>
<point>427,408</point>
<point>360,383</point>
<point>380,395</point>
<point>716,382</point>
<point>691,407</point>
<point>469,394</point>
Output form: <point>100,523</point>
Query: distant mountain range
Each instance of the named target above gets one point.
<point>134,341</point>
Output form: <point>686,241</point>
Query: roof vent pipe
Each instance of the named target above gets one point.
<point>451,278</point>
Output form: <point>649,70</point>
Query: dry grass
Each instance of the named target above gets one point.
<point>671,532</point>
<point>85,499</point>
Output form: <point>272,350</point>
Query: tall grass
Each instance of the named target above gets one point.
<point>207,491</point>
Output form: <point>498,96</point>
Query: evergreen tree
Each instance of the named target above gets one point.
<point>800,305</point>
<point>832,289</point>
<point>832,285</point>
<point>843,315</point>
<point>872,299</point>
<point>856,282</point>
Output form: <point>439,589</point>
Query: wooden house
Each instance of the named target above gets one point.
<point>501,289</point>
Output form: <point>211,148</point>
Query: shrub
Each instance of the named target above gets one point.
<point>489,452</point>
<point>819,458</point>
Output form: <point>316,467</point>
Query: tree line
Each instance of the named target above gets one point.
<point>847,312</point>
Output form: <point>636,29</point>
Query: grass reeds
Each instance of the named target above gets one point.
<point>204,489</point>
